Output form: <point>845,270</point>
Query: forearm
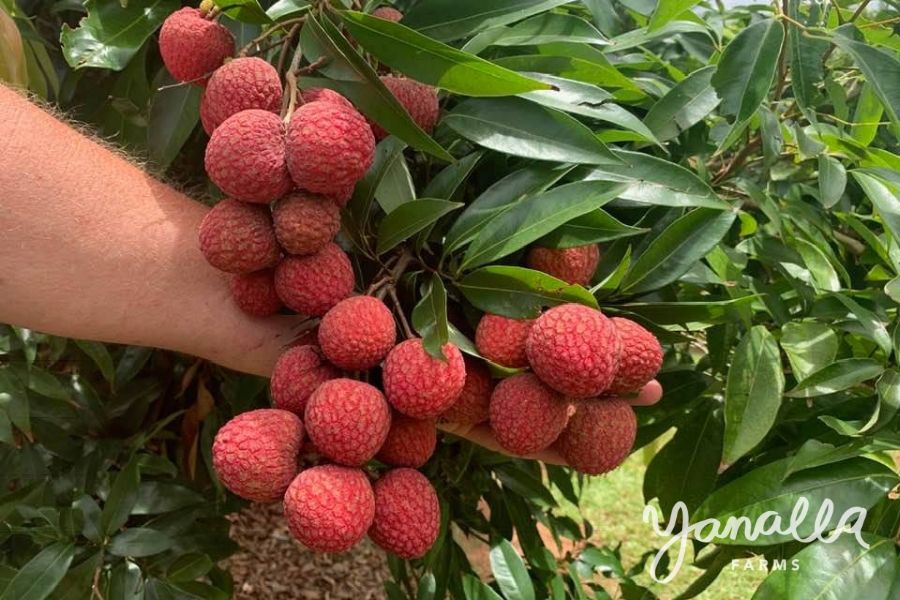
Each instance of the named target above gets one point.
<point>92,247</point>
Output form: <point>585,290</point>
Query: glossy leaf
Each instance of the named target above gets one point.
<point>550,27</point>
<point>832,180</point>
<point>809,346</point>
<point>882,71</point>
<point>174,114</point>
<point>122,497</point>
<point>683,106</point>
<point>837,376</point>
<point>448,20</point>
<point>411,218</point>
<point>244,11</point>
<point>40,575</point>
<point>510,573</point>
<point>807,55</point>
<point>596,226</point>
<point>139,541</point>
<point>666,10</point>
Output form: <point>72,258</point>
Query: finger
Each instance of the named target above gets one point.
<point>484,437</point>
<point>649,395</point>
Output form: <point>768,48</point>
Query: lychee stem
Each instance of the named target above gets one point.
<point>269,31</point>
<point>282,57</point>
<point>404,324</point>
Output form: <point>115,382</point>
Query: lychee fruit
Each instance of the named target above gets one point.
<point>296,375</point>
<point>599,435</point>
<point>407,513</point>
<point>472,406</point>
<point>419,100</point>
<point>640,357</point>
<point>357,333</point>
<point>255,453</point>
<point>240,84</point>
<point>305,223</point>
<point>574,265</point>
<point>329,508</point>
<point>329,147</point>
<point>325,95</point>
<point>410,442</point>
<point>254,293</point>
<point>502,340</point>
<point>245,157</point>
<point>238,238</point>
<point>312,284</point>
<point>388,13</point>
<point>419,385</point>
<point>574,349</point>
<point>347,420</point>
<point>192,47</point>
<point>526,415</point>
<point>342,197</point>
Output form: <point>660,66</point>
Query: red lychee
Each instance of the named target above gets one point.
<point>347,420</point>
<point>255,453</point>
<point>526,415</point>
<point>245,157</point>
<point>192,47</point>
<point>472,406</point>
<point>388,13</point>
<point>312,284</point>
<point>254,293</point>
<point>574,265</point>
<point>329,147</point>
<point>410,442</point>
<point>296,375</point>
<point>599,435</point>
<point>325,95</point>
<point>419,100</point>
<point>240,84</point>
<point>238,238</point>
<point>640,357</point>
<point>419,385</point>
<point>343,197</point>
<point>502,340</point>
<point>574,349</point>
<point>329,508</point>
<point>357,333</point>
<point>407,513</point>
<point>305,223</point>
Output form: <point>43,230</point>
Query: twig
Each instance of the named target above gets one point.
<point>314,65</point>
<point>267,32</point>
<point>396,272</point>
<point>290,87</point>
<point>377,285</point>
<point>738,160</point>
<point>282,57</point>
<point>859,10</point>
<point>837,8</point>
<point>782,63</point>
<point>404,324</point>
<point>852,244</point>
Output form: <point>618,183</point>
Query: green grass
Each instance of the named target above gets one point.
<point>614,505</point>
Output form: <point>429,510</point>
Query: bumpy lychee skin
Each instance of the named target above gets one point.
<point>245,157</point>
<point>329,147</point>
<point>296,375</point>
<point>472,406</point>
<point>238,238</point>
<point>193,47</point>
<point>342,197</point>
<point>419,385</point>
<point>312,284</point>
<point>574,349</point>
<point>419,100</point>
<point>347,420</point>
<point>410,442</point>
<point>305,223</point>
<point>241,84</point>
<point>526,415</point>
<point>325,95</point>
<point>407,513</point>
<point>599,435</point>
<point>640,357</point>
<point>573,265</point>
<point>255,453</point>
<point>388,13</point>
<point>357,333</point>
<point>254,293</point>
<point>329,508</point>
<point>502,340</point>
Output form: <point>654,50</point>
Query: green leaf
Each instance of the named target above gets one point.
<point>672,313</point>
<point>839,569</point>
<point>674,251</point>
<point>409,219</point>
<point>519,293</point>
<point>666,10</point>
<point>445,184</point>
<point>747,68</point>
<point>174,113</point>
<point>640,37</point>
<point>884,196</point>
<point>881,69</point>
<point>807,55</point>
<point>140,541</point>
<point>112,33</point>
<point>98,353</point>
<point>430,317</point>
<point>824,277</point>
<point>683,106</point>
<point>40,575</point>
<point>349,74</point>
<point>869,321</point>
<point>396,185</point>
<point>126,581</point>
<point>244,11</point>
<point>595,226</point>
<point>836,377</point>
<point>550,27</point>
<point>475,589</point>
<point>287,8</point>
<point>534,217</point>
<point>448,20</point>
<point>122,497</point>
<point>752,394</point>
<point>510,572</point>
<point>867,115</point>
<point>832,180</point>
<point>600,72</point>
<point>189,567</point>
<point>432,62</point>
<point>358,211</point>
<point>809,346</point>
<point>520,128</point>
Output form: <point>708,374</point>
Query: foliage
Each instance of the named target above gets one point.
<point>739,166</point>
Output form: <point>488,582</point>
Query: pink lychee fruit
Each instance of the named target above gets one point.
<point>407,513</point>
<point>419,100</point>
<point>410,442</point>
<point>526,415</point>
<point>240,84</point>
<point>419,385</point>
<point>640,357</point>
<point>388,13</point>
<point>192,47</point>
<point>502,340</point>
<point>472,406</point>
<point>254,293</point>
<point>599,435</point>
<point>312,284</point>
<point>574,265</point>
<point>236,237</point>
<point>325,95</point>
<point>357,333</point>
<point>305,223</point>
<point>297,374</point>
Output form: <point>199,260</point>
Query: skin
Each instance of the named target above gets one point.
<point>95,248</point>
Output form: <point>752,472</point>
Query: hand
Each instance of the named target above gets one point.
<point>482,435</point>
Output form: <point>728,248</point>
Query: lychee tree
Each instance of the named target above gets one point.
<point>722,180</point>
